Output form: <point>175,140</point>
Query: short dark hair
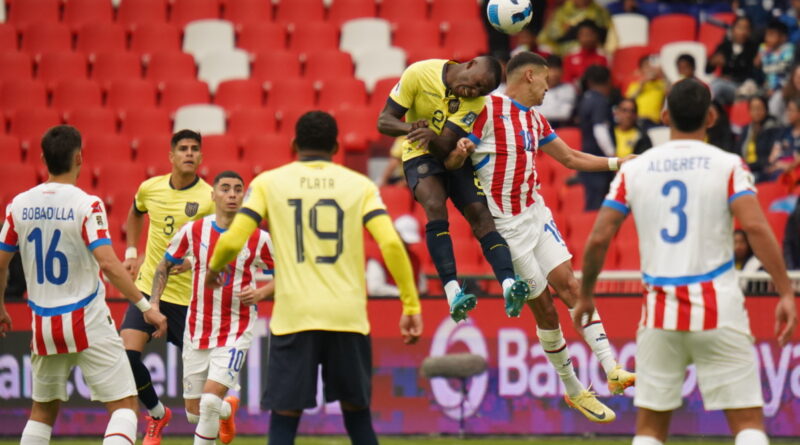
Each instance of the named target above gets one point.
<point>553,61</point>
<point>316,130</point>
<point>496,69</point>
<point>688,102</point>
<point>227,174</point>
<point>779,26</point>
<point>632,102</point>
<point>58,146</point>
<point>525,58</point>
<point>596,75</point>
<point>688,58</point>
<point>185,134</point>
<point>591,24</point>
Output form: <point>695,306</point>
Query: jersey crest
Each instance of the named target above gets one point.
<point>191,208</point>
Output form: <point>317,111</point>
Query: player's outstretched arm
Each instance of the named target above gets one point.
<point>116,273</point>
<point>748,212</point>
<point>229,245</point>
<point>160,277</point>
<point>580,161</point>
<point>134,225</point>
<point>5,319</point>
<point>594,255</point>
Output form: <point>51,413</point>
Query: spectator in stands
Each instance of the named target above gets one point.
<point>775,56</point>
<point>790,91</point>
<point>758,12</point>
<point>790,18</point>
<point>589,37</point>
<point>559,102</point>
<point>785,154</point>
<point>595,120</point>
<point>686,66</point>
<point>623,7</point>
<point>630,139</point>
<point>735,56</point>
<point>649,91</point>
<point>720,134</point>
<point>560,32</point>
<point>758,138</point>
<point>393,173</point>
<point>379,280</point>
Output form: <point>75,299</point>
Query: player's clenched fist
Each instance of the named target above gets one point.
<point>131,266</point>
<point>411,328</point>
<point>154,317</point>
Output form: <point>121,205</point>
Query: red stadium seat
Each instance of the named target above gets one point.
<point>149,38</point>
<point>72,94</point>
<point>167,66</point>
<point>768,192</point>
<point>55,67</point>
<point>777,220</point>
<point>16,178</point>
<point>711,36</point>
<point>724,17</point>
<point>332,64</point>
<point>572,200</point>
<point>106,149</point>
<point>466,39</point>
<point>469,255</point>
<point>669,28</point>
<point>344,10</point>
<point>152,151</point>
<point>30,124</point>
<point>628,251</point>
<point>398,200</point>
<point>139,122</point>
<point>291,93</point>
<point>314,36</point>
<point>416,35</point>
<point>287,118</point>
<point>9,40</point>
<point>626,62</point>
<point>425,53</point>
<point>219,148</point>
<point>109,67</point>
<point>244,11</point>
<point>185,11</point>
<point>96,38</point>
<point>579,226</point>
<point>131,94</point>
<point>136,12</point>
<point>210,170</point>
<point>740,113</point>
<point>80,12</point>
<point>356,126</point>
<point>344,91</point>
<point>571,136</point>
<point>10,147</point>
<point>15,65</point>
<point>93,121</point>
<point>381,92</point>
<point>46,37</point>
<point>403,10</point>
<point>27,12</point>
<point>261,37</point>
<point>249,121</point>
<point>275,65</point>
<point>267,151</point>
<point>239,93</point>
<point>120,175</point>
<point>452,11</point>
<point>300,11</point>
<point>177,93</point>
<point>22,93</point>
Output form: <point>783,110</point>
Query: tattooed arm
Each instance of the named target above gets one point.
<point>160,278</point>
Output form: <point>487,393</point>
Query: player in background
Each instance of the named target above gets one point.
<point>170,201</point>
<point>61,234</point>
<point>440,100</point>
<point>508,133</point>
<point>683,196</point>
<point>219,324</point>
<point>320,210</point>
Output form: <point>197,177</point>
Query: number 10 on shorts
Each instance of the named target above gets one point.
<point>237,358</point>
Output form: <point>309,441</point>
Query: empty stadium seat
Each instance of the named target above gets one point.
<point>299,11</point>
<point>572,200</point>
<point>55,67</point>
<point>10,147</point>
<point>380,92</point>
<point>92,120</point>
<point>204,37</point>
<point>453,11</point>
<point>219,148</point>
<point>80,12</point>
<point>177,93</point>
<point>628,254</point>
<point>72,94</point>
<point>415,35</point>
<point>149,38</point>
<point>768,192</point>
<point>138,122</point>
<point>403,10</point>
<point>669,57</point>
<point>342,91</point>
<point>169,66</point>
<point>120,175</point>
<point>22,93</point>
<point>261,37</point>
<point>374,65</point>
<point>398,199</point>
<point>27,12</point>
<point>291,93</point>
<point>356,126</point>
<point>314,36</point>
<point>571,136</point>
<point>669,28</point>
<point>109,67</point>
<point>29,125</point>
<point>46,37</point>
<point>16,178</point>
<point>152,151</point>
<point>658,135</point>
<point>242,93</point>
<point>740,113</point>
<point>8,38</point>
<point>128,94</point>
<point>219,66</point>
<point>466,39</point>
<point>250,121</point>
<point>96,38</point>
<point>344,10</point>
<point>203,118</point>
<point>132,13</point>
<point>210,170</point>
<point>287,118</point>
<point>244,11</point>
<point>275,65</point>
<point>185,11</point>
<point>15,65</point>
<point>365,34</point>
<point>267,151</point>
<point>625,64</point>
<point>332,64</point>
<point>424,53</point>
<point>632,29</point>
<point>106,149</point>
<point>579,225</point>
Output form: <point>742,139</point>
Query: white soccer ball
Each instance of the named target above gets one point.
<point>509,16</point>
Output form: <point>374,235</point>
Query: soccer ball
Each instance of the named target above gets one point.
<point>509,16</point>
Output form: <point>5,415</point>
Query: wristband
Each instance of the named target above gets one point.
<point>143,305</point>
<point>613,164</point>
<point>131,253</point>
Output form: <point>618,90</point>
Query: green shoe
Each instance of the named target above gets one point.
<point>462,304</point>
<point>515,296</point>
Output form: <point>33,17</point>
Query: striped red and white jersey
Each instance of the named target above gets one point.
<point>55,227</point>
<point>217,317</point>
<point>507,135</point>
<point>680,194</point>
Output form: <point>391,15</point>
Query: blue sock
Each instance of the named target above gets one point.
<point>282,429</point>
<point>359,427</point>
<point>497,253</point>
<point>440,247</point>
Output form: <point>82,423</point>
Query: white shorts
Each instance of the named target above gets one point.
<point>104,365</point>
<point>727,373</point>
<point>536,245</point>
<point>221,365</point>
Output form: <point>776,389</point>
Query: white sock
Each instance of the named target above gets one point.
<point>594,334</point>
<point>555,347</point>
<point>225,410</point>
<point>646,440</point>
<point>751,436</point>
<point>121,429</point>
<point>36,433</point>
<point>208,426</point>
<point>158,411</point>
<point>192,418</point>
<point>451,288</point>
<point>508,282</point>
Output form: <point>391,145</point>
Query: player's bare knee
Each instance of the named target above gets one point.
<point>134,340</point>
<point>435,207</point>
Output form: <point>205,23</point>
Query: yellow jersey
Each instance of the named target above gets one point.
<point>169,209</point>
<point>316,211</point>
<point>422,93</point>
<point>626,141</point>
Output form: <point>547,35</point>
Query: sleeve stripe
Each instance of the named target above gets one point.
<point>8,247</point>
<point>396,106</point>
<point>548,139</point>
<point>373,214</point>
<point>618,206</point>
<point>136,208</point>
<point>99,242</point>
<point>482,163</point>
<point>251,213</point>
<point>475,139</point>
<point>172,259</point>
<point>740,194</point>
<point>456,129</point>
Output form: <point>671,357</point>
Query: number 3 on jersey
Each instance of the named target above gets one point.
<point>314,222</point>
<point>677,209</point>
